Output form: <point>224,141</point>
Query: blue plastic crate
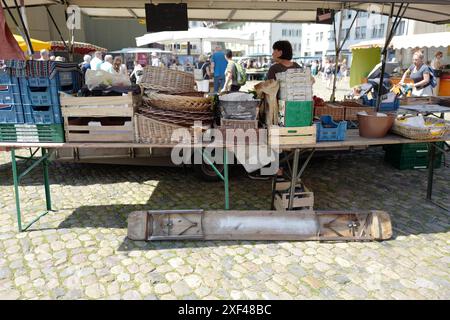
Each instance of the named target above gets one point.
<point>329,130</point>
<point>50,114</point>
<point>42,95</point>
<point>384,106</point>
<point>8,84</point>
<point>11,114</point>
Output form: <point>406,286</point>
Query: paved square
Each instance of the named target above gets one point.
<point>81,250</point>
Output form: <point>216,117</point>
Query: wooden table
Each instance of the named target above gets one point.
<point>352,141</point>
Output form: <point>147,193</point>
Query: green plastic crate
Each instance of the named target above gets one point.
<point>411,156</point>
<point>31,133</point>
<point>296,113</point>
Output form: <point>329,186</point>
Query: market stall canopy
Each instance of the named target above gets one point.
<point>195,34</point>
<point>139,50</point>
<point>78,47</point>
<point>425,40</point>
<point>37,44</point>
<point>433,11</point>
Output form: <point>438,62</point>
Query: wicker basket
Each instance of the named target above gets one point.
<point>153,131</point>
<point>186,119</point>
<point>351,113</point>
<point>417,133</point>
<point>178,103</point>
<point>335,111</point>
<point>167,80</point>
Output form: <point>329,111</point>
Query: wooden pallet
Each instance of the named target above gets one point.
<point>101,110</point>
<point>292,135</point>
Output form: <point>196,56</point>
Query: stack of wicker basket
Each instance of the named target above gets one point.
<point>169,105</point>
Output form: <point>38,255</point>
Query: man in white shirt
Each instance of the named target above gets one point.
<point>45,55</point>
<point>96,61</point>
<point>107,65</point>
<point>155,60</point>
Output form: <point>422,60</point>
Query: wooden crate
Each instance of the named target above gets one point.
<point>302,201</point>
<point>292,135</point>
<point>101,109</point>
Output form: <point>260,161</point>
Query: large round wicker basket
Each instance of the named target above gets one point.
<point>418,133</point>
<point>178,103</point>
<point>167,80</point>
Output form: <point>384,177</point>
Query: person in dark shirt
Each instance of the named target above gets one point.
<point>282,56</point>
<point>420,74</point>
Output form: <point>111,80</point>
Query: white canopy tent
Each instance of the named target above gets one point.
<point>196,34</point>
<point>433,11</point>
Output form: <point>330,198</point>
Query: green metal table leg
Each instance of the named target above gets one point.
<point>16,188</point>
<point>225,175</point>
<point>48,199</point>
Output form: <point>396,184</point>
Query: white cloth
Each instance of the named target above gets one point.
<point>425,92</point>
<point>106,66</point>
<point>95,63</point>
<point>135,70</point>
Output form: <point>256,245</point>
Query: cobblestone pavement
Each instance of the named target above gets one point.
<point>81,250</point>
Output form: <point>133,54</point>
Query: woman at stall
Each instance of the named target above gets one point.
<point>419,72</point>
<point>282,56</point>
<point>118,67</point>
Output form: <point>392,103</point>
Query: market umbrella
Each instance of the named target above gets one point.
<point>37,44</point>
<point>78,47</point>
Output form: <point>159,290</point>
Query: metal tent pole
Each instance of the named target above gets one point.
<point>389,35</point>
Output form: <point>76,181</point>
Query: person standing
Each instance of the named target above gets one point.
<point>86,64</point>
<point>96,61</point>
<point>155,60</point>
<point>231,77</point>
<point>420,74</point>
<point>119,68</point>
<point>219,64</point>
<point>107,65</point>
<point>45,55</point>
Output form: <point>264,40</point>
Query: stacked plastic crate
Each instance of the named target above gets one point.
<point>11,109</point>
<point>38,84</point>
<point>295,98</point>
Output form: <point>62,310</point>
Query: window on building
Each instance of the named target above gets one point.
<point>360,32</point>
<point>381,31</point>
<point>317,37</point>
<point>331,35</point>
<point>307,42</point>
<point>321,36</point>
<point>283,32</point>
<point>298,33</point>
<point>363,14</point>
<point>400,29</point>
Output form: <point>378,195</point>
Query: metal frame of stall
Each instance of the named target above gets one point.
<point>294,174</point>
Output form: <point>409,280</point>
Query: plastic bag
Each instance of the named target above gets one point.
<point>100,78</point>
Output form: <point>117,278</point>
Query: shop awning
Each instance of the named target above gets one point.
<point>78,47</point>
<point>433,11</point>
<point>426,40</point>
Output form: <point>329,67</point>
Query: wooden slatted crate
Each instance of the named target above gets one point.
<point>292,135</point>
<point>98,119</point>
<point>302,200</point>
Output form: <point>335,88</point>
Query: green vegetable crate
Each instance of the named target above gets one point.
<point>411,156</point>
<point>295,113</point>
<point>31,133</point>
